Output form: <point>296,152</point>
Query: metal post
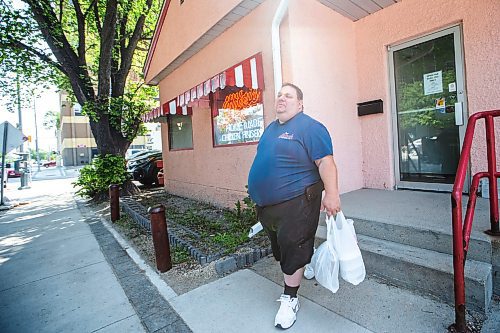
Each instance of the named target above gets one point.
<point>4,152</point>
<point>492,166</point>
<point>460,324</point>
<point>160,238</point>
<point>114,201</point>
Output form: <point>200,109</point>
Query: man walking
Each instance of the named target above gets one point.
<point>293,164</point>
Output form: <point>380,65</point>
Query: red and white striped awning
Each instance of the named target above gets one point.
<point>248,73</point>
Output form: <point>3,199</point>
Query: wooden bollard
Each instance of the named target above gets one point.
<point>114,202</point>
<point>160,238</point>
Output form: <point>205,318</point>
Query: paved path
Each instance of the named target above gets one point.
<point>155,313</point>
<point>61,270</point>
<point>53,275</point>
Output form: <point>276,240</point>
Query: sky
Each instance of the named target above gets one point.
<point>48,100</point>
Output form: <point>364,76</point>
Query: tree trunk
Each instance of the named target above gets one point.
<point>108,139</point>
<point>111,141</point>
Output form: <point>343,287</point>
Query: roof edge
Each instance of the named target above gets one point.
<point>156,36</point>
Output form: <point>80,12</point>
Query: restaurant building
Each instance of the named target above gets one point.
<point>393,81</point>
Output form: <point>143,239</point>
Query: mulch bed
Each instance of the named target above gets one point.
<point>205,231</point>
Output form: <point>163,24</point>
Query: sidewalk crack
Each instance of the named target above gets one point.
<point>51,276</point>
<point>117,321</point>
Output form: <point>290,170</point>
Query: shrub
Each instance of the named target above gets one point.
<point>95,178</point>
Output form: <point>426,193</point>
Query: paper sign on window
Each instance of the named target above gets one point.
<point>433,83</point>
<point>441,105</point>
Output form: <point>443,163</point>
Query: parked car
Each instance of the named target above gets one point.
<point>135,153</point>
<point>132,153</point>
<point>10,171</point>
<point>143,167</point>
<point>13,173</point>
<point>49,164</point>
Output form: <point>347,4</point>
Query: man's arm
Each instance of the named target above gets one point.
<point>328,173</point>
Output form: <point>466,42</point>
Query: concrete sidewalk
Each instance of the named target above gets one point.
<point>53,275</point>
<point>246,302</point>
<point>64,269</point>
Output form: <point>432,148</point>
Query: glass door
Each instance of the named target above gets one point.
<point>428,95</point>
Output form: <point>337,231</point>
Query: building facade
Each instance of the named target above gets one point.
<point>77,142</point>
<point>393,81</point>
<point>78,145</point>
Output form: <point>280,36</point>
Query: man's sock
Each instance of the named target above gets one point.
<point>291,291</point>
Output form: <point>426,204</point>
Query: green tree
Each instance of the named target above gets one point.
<point>92,48</point>
<point>52,120</point>
<point>44,155</point>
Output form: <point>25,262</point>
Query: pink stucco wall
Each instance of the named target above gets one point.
<point>218,175</point>
<point>307,51</point>
<point>321,44</point>
<point>178,31</point>
<point>337,63</point>
<point>406,20</point>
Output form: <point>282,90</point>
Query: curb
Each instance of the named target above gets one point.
<point>149,295</point>
<point>9,205</point>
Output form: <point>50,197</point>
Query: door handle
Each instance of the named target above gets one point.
<point>459,114</point>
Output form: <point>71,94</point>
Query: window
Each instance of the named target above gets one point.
<point>237,116</point>
<point>77,108</point>
<point>180,131</point>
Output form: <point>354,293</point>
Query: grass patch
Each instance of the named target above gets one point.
<point>129,227</point>
<point>143,240</point>
<point>179,255</point>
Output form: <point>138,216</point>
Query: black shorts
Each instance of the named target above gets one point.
<point>291,227</point>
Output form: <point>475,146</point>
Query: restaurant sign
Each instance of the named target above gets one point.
<point>241,118</point>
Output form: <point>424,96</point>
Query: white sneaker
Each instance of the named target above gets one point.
<point>287,314</point>
<point>309,272</point>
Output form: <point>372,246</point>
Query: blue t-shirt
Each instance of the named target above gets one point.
<point>284,165</point>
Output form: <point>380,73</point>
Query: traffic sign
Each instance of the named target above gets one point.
<point>14,137</point>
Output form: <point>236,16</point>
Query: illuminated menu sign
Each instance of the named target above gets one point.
<point>241,99</point>
<point>241,118</point>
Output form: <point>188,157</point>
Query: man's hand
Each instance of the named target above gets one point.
<point>331,204</point>
<point>328,173</point>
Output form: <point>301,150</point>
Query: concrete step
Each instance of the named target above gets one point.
<point>424,271</point>
<point>439,241</point>
<point>426,238</point>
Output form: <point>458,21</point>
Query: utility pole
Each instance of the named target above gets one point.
<point>36,137</point>
<point>20,124</point>
<point>4,152</point>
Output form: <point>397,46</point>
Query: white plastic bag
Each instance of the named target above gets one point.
<point>326,263</point>
<point>352,268</point>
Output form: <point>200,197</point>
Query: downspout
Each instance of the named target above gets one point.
<point>276,44</point>
<point>278,77</point>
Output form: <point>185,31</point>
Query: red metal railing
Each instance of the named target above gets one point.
<point>461,233</point>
